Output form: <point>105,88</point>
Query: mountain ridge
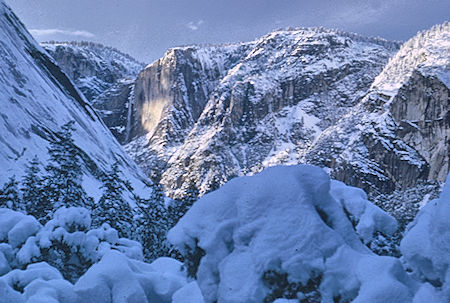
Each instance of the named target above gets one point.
<point>37,99</point>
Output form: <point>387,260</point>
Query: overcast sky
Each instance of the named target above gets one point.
<point>147,28</point>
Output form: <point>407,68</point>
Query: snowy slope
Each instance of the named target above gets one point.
<point>428,53</point>
<point>285,89</point>
<point>37,98</point>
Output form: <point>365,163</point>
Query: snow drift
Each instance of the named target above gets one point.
<point>291,232</point>
<point>31,254</point>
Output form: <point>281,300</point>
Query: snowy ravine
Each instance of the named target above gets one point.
<point>37,98</point>
<point>288,234</point>
<point>104,75</point>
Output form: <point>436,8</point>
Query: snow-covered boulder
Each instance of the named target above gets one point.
<point>121,279</point>
<point>116,278</point>
<point>426,247</point>
<point>286,232</point>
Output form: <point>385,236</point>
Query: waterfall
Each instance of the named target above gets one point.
<point>130,109</point>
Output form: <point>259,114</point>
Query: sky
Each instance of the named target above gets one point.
<point>145,29</point>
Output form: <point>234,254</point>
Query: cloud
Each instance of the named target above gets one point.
<point>194,25</point>
<point>55,31</point>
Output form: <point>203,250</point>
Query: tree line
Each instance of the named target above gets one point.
<point>41,191</point>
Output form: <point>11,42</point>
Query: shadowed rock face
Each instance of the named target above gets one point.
<point>421,110</point>
<point>104,75</point>
<point>396,141</point>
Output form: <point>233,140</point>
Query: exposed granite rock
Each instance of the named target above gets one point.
<point>274,103</point>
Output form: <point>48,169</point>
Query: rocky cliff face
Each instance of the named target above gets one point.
<point>169,97</point>
<point>104,75</point>
<point>94,68</point>
<point>398,134</point>
<point>273,104</point>
<point>37,98</point>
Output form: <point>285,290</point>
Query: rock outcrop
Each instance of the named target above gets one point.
<point>398,135</point>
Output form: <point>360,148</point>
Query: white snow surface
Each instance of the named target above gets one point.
<point>290,219</point>
<point>428,52</point>
<point>118,274</point>
<point>426,246</point>
<point>36,100</point>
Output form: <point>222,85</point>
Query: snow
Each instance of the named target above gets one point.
<point>370,218</point>
<point>118,274</point>
<point>427,52</point>
<point>426,245</point>
<point>36,100</point>
<point>126,280</point>
<point>188,293</point>
<point>291,220</point>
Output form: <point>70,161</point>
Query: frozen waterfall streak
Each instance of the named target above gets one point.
<point>130,108</point>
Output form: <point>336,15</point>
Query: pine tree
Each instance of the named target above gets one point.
<point>32,192</point>
<point>214,184</point>
<point>151,224</point>
<point>182,206</point>
<point>64,172</point>
<point>111,208</point>
<point>9,195</point>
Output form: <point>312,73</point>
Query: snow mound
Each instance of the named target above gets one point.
<point>126,280</point>
<point>116,278</point>
<point>104,267</point>
<point>288,226</point>
<point>426,246</point>
<point>67,242</point>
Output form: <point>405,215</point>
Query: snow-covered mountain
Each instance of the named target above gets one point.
<point>94,68</point>
<point>37,98</point>
<point>103,74</point>
<point>212,113</point>
<point>398,135</point>
<point>298,96</point>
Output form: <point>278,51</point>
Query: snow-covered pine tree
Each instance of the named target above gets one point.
<point>9,195</point>
<point>32,192</point>
<point>214,184</point>
<point>182,206</point>
<point>151,224</point>
<point>62,183</point>
<point>111,208</point>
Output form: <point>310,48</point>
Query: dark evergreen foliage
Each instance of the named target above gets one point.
<point>62,183</point>
<point>281,287</point>
<point>111,208</point>
<point>152,224</point>
<point>181,207</point>
<point>33,196</point>
<point>9,195</point>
